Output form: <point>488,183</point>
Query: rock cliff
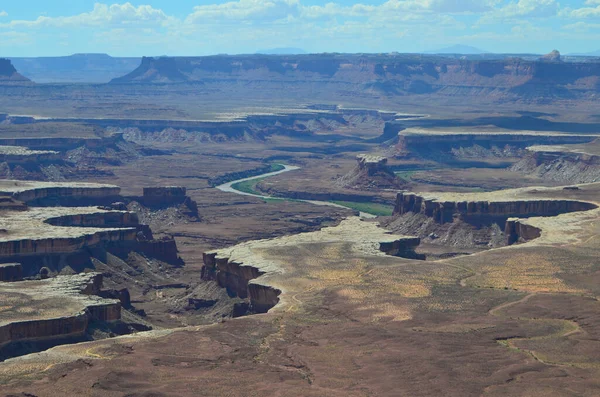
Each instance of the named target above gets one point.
<point>455,146</point>
<point>8,73</point>
<point>562,163</point>
<point>246,272</point>
<point>399,74</point>
<point>370,173</point>
<point>30,191</point>
<point>443,211</point>
<point>493,221</point>
<point>57,308</point>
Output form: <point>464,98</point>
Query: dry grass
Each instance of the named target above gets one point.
<point>524,272</point>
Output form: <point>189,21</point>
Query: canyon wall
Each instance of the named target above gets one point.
<point>518,231</point>
<point>11,272</point>
<point>56,143</point>
<point>14,248</point>
<point>404,248</point>
<point>559,163</point>
<point>58,308</point>
<point>447,146</point>
<point>484,211</point>
<point>66,191</point>
<point>399,74</point>
<point>237,279</point>
<point>446,219</point>
<point>100,219</point>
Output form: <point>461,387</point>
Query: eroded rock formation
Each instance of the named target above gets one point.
<point>370,173</point>
<point>246,273</point>
<point>399,74</point>
<point>454,146</point>
<point>33,191</point>
<point>560,163</point>
<point>55,308</point>
<point>481,212</point>
<point>472,220</point>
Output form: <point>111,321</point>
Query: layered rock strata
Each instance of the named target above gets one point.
<point>483,211</point>
<point>371,172</point>
<point>561,163</point>
<point>31,191</point>
<point>248,272</point>
<point>50,143</point>
<point>32,232</point>
<point>384,74</point>
<point>55,308</point>
<point>519,231</point>
<point>444,145</point>
<point>167,196</point>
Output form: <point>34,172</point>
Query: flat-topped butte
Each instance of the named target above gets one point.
<point>33,223</point>
<point>32,190</point>
<point>60,296</point>
<point>29,232</point>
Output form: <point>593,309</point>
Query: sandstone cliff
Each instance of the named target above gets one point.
<point>388,74</point>
<point>455,146</point>
<point>370,173</point>
<point>564,164</point>
<point>444,211</point>
<point>57,308</point>
<point>492,221</point>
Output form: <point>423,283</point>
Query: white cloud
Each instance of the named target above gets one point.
<point>3,14</point>
<point>244,25</point>
<point>248,10</point>
<point>581,26</point>
<point>461,6</point>
<point>101,15</point>
<point>585,12</point>
<point>529,8</point>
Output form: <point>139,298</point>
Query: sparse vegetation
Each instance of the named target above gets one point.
<point>248,186</point>
<point>369,208</point>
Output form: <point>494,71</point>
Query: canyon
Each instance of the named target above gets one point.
<point>330,224</point>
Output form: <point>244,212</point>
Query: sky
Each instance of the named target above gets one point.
<point>202,27</point>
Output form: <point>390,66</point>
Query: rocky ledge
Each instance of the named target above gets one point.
<point>56,308</point>
<point>371,173</point>
<point>485,209</point>
<point>446,144</point>
<point>246,271</point>
<point>33,191</point>
<point>60,230</point>
<point>562,163</point>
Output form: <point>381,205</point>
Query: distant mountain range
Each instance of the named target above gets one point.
<point>77,68</point>
<point>587,54</point>
<point>383,74</point>
<point>282,51</point>
<point>458,49</point>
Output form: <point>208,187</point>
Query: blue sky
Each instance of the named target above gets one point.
<point>194,27</point>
